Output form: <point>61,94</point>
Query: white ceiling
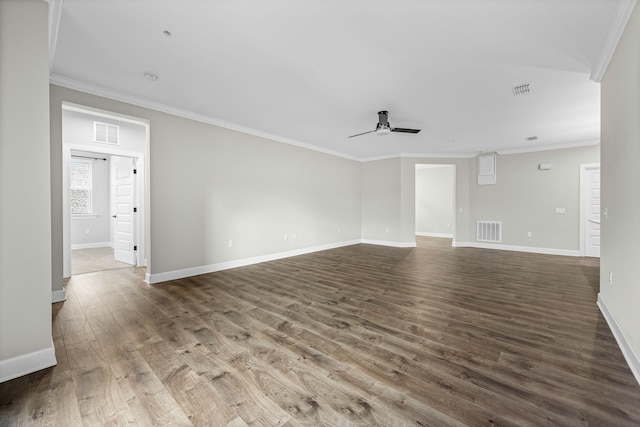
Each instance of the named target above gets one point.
<point>312,72</point>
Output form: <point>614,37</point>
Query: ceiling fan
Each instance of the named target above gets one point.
<point>384,128</point>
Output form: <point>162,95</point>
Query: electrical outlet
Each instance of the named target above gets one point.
<point>230,243</point>
<point>87,231</point>
<point>611,277</point>
<point>529,234</point>
<point>387,229</point>
<point>293,236</point>
<point>285,237</point>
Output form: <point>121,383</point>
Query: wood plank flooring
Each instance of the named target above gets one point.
<point>361,335</point>
<point>94,259</point>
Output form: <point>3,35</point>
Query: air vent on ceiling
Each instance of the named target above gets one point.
<point>524,89</point>
<point>106,133</point>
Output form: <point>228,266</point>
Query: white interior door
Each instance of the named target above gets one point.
<point>592,201</point>
<point>123,183</point>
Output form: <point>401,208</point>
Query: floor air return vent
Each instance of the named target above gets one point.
<point>489,231</point>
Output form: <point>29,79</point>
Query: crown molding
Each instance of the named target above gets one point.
<point>55,12</point>
<point>587,143</point>
<point>163,108</point>
<point>618,23</point>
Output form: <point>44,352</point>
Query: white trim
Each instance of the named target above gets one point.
<point>583,204</point>
<point>579,144</point>
<point>58,296</point>
<point>84,216</point>
<point>531,249</point>
<point>425,234</point>
<point>211,268</point>
<point>55,12</point>
<point>418,156</point>
<point>105,93</point>
<point>91,245</point>
<point>391,244</point>
<point>83,109</point>
<point>27,363</point>
<point>619,22</point>
<point>623,342</point>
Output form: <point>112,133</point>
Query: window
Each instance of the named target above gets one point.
<point>81,187</point>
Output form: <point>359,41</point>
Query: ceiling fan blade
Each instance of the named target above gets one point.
<point>363,133</point>
<point>404,130</point>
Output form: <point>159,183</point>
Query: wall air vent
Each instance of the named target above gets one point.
<point>489,231</point>
<point>532,138</point>
<point>106,133</point>
<point>487,169</point>
<point>524,89</point>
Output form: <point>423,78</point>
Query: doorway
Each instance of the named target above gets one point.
<point>119,219</point>
<point>590,210</point>
<point>435,201</point>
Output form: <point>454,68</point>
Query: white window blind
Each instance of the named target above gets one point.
<point>81,187</point>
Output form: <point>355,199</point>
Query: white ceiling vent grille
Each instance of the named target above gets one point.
<point>489,231</point>
<point>106,133</point>
<point>520,90</point>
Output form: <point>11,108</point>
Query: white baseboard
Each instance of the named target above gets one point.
<point>425,234</point>
<point>211,268</point>
<point>90,245</point>
<point>501,247</point>
<point>27,363</point>
<point>387,243</point>
<point>627,351</point>
<point>58,296</point>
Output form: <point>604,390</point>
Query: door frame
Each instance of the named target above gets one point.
<point>583,204</point>
<point>454,194</point>
<point>142,220</point>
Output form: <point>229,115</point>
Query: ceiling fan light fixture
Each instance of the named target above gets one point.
<point>383,131</point>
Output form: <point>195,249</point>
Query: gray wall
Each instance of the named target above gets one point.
<point>389,199</point>
<point>99,227</point>
<point>25,216</point>
<point>620,251</point>
<point>210,185</point>
<point>524,198</point>
<point>381,208</point>
<point>435,190</point>
<point>77,129</point>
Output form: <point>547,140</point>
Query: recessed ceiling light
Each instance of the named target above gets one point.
<point>151,77</point>
<point>167,33</point>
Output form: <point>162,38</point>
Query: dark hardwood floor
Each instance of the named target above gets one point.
<point>361,335</point>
